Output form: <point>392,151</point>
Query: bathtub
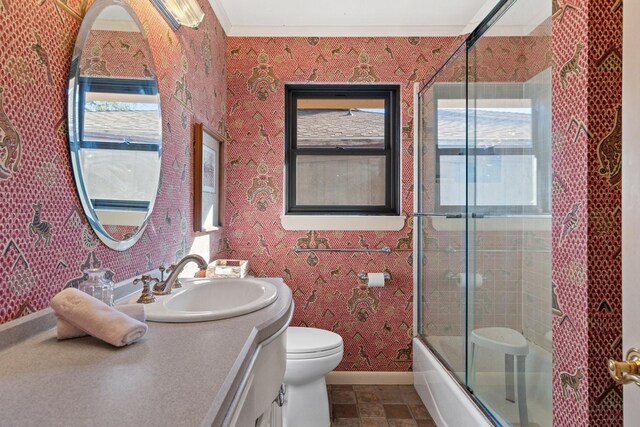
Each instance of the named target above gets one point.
<point>451,406</point>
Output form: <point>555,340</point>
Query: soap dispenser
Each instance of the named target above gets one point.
<point>98,285</point>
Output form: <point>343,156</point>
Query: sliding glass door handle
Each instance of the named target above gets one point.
<point>441,215</point>
<point>478,215</point>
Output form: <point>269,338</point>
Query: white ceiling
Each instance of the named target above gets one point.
<point>350,17</point>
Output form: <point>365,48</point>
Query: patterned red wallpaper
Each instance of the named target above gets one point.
<point>116,53</point>
<point>587,46</point>
<point>35,173</point>
<point>376,324</point>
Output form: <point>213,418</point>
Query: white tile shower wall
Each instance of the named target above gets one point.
<point>536,260</point>
<point>497,259</point>
<point>536,288</point>
<point>497,302</point>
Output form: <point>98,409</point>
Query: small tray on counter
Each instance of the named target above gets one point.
<point>228,268</point>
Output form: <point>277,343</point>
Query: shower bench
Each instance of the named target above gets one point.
<point>513,344</point>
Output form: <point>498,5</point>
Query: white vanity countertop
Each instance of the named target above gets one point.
<point>179,374</point>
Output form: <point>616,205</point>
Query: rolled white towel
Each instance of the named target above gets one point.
<point>66,330</point>
<point>97,318</point>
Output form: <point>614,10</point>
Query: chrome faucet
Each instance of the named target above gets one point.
<point>164,287</point>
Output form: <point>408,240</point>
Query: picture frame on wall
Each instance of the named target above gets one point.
<point>208,177</point>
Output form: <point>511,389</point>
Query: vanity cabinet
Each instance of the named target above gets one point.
<point>255,402</point>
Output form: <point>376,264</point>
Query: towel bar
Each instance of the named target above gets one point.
<point>385,250</point>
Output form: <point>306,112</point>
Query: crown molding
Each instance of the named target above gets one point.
<point>329,31</point>
<point>343,31</point>
<point>370,31</point>
<point>221,14</point>
<point>367,30</point>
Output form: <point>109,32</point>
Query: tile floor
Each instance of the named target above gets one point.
<point>377,406</point>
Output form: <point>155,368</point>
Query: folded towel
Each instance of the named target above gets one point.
<point>97,318</point>
<point>66,330</point>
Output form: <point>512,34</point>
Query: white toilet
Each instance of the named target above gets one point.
<point>311,354</point>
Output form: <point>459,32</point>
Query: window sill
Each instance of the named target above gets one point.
<point>343,222</point>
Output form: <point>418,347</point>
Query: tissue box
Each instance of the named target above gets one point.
<point>230,268</point>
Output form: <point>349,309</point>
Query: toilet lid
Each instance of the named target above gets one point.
<point>311,340</point>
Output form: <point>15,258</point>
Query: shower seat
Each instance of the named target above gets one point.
<point>513,344</point>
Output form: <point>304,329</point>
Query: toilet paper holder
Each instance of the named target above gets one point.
<point>362,276</point>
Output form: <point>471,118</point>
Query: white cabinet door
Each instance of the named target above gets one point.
<point>261,383</point>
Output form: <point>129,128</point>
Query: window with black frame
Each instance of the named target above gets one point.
<point>507,164</point>
<point>342,149</point>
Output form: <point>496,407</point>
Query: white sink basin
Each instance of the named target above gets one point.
<point>201,300</point>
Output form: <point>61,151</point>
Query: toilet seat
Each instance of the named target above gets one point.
<point>311,343</point>
<point>314,354</point>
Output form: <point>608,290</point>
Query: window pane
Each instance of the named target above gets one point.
<point>120,174</point>
<point>509,180</point>
<point>349,123</point>
<point>452,123</point>
<point>506,181</point>
<point>118,117</point>
<point>453,180</point>
<point>499,122</point>
<point>340,180</point>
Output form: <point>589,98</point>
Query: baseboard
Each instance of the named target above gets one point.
<point>380,378</point>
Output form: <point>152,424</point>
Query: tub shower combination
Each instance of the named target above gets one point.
<point>482,351</point>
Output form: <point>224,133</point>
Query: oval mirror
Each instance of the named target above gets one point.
<point>115,123</point>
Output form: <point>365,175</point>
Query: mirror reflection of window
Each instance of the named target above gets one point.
<point>115,122</point>
<point>121,128</point>
<point>121,138</point>
<point>112,116</point>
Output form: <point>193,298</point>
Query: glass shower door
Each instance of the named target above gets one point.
<point>484,214</point>
<point>441,218</point>
<point>509,205</point>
